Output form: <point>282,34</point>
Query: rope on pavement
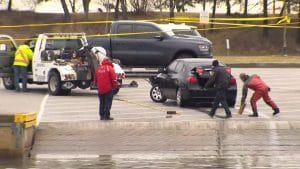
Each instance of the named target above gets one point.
<point>146,106</point>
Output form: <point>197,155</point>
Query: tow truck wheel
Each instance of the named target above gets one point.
<point>54,84</point>
<point>156,94</point>
<point>8,83</point>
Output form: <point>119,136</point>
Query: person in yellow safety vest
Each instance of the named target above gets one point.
<point>23,57</point>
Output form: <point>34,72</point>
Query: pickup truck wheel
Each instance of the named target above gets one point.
<point>54,84</point>
<point>8,83</point>
<point>156,94</point>
<point>179,99</point>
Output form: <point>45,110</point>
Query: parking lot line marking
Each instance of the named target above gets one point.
<point>42,108</point>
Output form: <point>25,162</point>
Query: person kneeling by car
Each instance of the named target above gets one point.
<point>105,79</point>
<point>220,79</point>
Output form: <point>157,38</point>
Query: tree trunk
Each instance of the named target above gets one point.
<point>9,5</point>
<point>213,12</point>
<point>72,3</point>
<point>65,8</point>
<point>86,4</point>
<point>298,30</point>
<point>204,5</point>
<point>124,9</point>
<point>265,11</point>
<point>172,7</point>
<point>283,8</point>
<point>117,9</point>
<point>246,8</point>
<point>228,13</point>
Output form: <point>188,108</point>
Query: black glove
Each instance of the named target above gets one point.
<point>269,89</point>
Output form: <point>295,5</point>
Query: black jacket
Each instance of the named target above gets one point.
<point>219,78</point>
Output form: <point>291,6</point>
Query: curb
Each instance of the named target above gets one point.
<point>182,125</point>
<point>264,65</point>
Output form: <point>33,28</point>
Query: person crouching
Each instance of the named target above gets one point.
<point>105,79</point>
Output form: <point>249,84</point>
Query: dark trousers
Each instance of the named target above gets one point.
<point>20,72</point>
<point>105,102</point>
<point>220,98</point>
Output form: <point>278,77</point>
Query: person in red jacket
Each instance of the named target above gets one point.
<point>261,90</point>
<point>105,79</point>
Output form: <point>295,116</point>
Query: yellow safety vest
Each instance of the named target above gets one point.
<point>23,56</point>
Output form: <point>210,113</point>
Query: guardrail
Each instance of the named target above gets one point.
<point>17,134</point>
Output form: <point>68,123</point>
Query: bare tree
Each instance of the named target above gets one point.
<point>172,8</point>
<point>86,4</point>
<point>116,16</point>
<point>246,8</point>
<point>228,7</point>
<point>65,8</point>
<point>124,9</point>
<point>265,12</point>
<point>72,3</point>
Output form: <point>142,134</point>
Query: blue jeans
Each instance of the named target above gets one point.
<point>105,102</point>
<point>20,72</point>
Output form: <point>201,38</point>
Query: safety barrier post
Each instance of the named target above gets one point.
<point>17,134</point>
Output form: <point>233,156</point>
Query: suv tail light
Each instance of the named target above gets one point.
<point>199,71</point>
<point>191,79</point>
<point>232,81</point>
<point>228,70</point>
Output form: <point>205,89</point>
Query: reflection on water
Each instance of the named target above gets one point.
<point>137,161</point>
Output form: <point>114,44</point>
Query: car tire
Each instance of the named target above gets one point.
<point>54,84</point>
<point>156,94</point>
<point>8,83</point>
<point>179,99</point>
<point>231,103</point>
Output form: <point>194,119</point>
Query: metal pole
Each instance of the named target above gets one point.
<point>284,33</point>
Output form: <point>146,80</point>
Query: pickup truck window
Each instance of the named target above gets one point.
<point>124,28</point>
<point>55,44</point>
<point>145,28</point>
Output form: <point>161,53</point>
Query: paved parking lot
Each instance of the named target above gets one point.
<point>135,105</point>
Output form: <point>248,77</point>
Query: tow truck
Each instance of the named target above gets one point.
<point>64,61</point>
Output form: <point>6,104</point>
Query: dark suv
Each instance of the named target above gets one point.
<point>183,80</point>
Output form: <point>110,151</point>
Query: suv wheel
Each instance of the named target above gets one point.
<point>156,94</point>
<point>54,84</point>
<point>8,83</point>
<point>179,99</point>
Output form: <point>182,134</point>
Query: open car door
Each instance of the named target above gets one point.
<point>7,51</point>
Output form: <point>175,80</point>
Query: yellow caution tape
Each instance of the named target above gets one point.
<point>182,19</point>
<point>286,19</point>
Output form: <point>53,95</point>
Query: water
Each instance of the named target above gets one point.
<point>156,161</point>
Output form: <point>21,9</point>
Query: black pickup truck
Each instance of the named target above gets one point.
<point>148,44</point>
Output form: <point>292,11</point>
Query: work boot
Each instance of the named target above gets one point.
<point>228,116</point>
<point>276,111</point>
<point>25,90</point>
<point>110,118</point>
<point>253,115</point>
